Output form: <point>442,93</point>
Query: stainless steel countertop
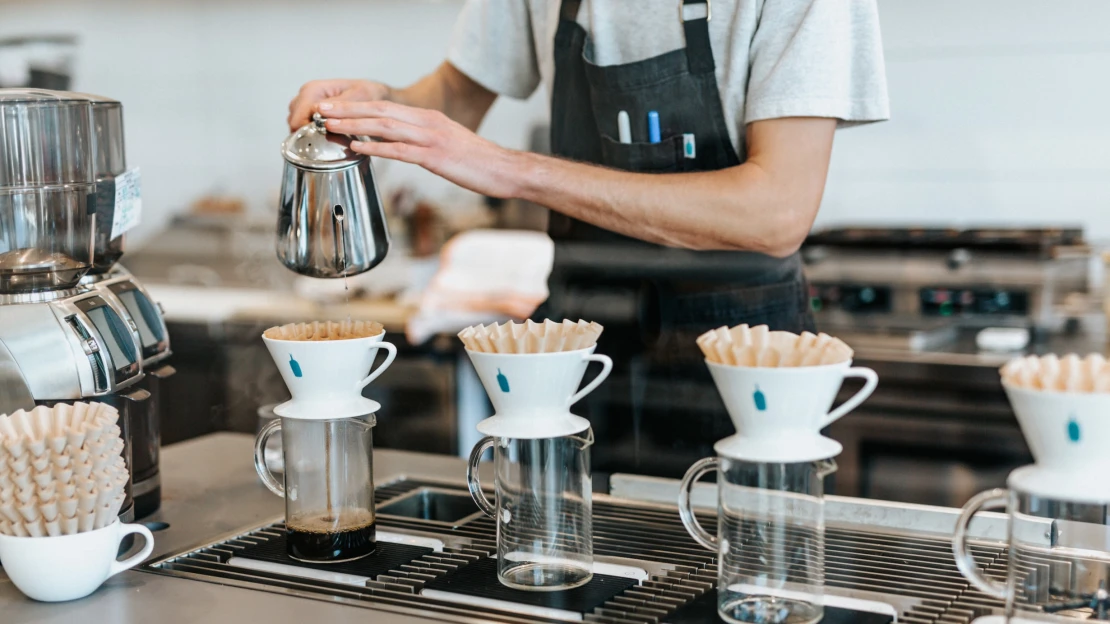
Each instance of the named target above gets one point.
<point>210,490</point>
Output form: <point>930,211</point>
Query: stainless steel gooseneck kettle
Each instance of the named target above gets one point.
<point>331,222</point>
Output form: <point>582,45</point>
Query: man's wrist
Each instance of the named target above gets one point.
<point>530,175</point>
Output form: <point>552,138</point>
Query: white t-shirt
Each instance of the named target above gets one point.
<point>774,58</point>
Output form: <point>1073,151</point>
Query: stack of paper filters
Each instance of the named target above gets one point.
<point>62,470</point>
<point>531,337</point>
<point>758,346</point>
<point>327,330</point>
<point>1062,374</point>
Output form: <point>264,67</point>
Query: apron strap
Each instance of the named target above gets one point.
<point>569,10</point>
<point>699,52</point>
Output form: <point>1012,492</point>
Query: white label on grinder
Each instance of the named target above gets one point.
<point>129,202</point>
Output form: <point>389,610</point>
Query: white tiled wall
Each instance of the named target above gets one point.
<point>1000,106</point>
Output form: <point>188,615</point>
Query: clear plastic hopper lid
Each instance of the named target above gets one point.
<point>45,139</point>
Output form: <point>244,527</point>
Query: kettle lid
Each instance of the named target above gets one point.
<point>313,147</point>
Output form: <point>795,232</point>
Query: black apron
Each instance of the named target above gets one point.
<point>659,411</point>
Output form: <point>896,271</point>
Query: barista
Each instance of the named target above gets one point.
<point>691,142</point>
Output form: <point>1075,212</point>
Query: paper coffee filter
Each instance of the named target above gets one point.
<point>759,347</point>
<point>326,330</point>
<point>1090,374</point>
<point>67,473</point>
<point>531,337</point>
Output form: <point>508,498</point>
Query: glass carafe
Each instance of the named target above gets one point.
<point>544,509</point>
<point>1059,557</point>
<point>770,538</point>
<point>328,486</point>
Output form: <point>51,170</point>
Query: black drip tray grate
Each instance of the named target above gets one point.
<point>388,556</point>
<point>703,610</point>
<point>479,580</point>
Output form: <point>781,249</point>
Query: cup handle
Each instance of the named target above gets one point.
<point>472,482</point>
<point>991,499</point>
<point>130,562</point>
<point>606,368</point>
<point>860,397</point>
<point>381,369</point>
<point>689,520</point>
<point>268,479</point>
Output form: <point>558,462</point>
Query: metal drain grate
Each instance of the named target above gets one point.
<point>917,575</point>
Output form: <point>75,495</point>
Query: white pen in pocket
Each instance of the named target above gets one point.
<point>624,127</point>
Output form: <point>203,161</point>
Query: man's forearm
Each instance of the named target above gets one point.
<point>734,208</point>
<point>767,204</point>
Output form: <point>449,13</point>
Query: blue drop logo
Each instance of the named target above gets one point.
<point>760,400</point>
<point>295,366</point>
<point>1073,429</point>
<point>502,381</point>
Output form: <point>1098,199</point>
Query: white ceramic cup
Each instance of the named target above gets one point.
<point>773,403</point>
<point>326,377</point>
<point>532,392</point>
<point>68,567</point>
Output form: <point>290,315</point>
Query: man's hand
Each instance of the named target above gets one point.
<point>317,91</point>
<point>427,138</point>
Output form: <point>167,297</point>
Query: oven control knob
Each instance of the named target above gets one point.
<point>958,258</point>
<point>90,347</point>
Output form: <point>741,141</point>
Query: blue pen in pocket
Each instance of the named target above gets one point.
<point>654,135</point>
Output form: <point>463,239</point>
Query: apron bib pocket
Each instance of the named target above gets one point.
<point>663,157</point>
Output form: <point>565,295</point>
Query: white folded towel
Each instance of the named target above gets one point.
<point>484,276</point>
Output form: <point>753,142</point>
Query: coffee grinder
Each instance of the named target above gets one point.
<point>65,336</point>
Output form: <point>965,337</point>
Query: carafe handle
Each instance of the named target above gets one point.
<point>689,520</point>
<point>381,369</point>
<point>870,383</point>
<point>606,368</point>
<point>472,482</point>
<point>991,499</point>
<point>268,479</point>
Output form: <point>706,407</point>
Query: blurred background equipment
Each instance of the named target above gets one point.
<point>37,61</point>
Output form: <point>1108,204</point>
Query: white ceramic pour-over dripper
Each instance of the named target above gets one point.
<point>1068,434</point>
<point>326,377</point>
<point>532,392</point>
<point>779,412</point>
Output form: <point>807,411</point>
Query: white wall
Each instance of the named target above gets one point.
<point>999,115</point>
<point>1000,106</point>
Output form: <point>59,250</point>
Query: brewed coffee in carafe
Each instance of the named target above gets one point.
<point>329,486</point>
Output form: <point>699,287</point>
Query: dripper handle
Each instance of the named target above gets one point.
<point>991,499</point>
<point>606,368</point>
<point>689,520</point>
<point>870,383</point>
<point>268,479</point>
<point>381,369</point>
<point>472,482</point>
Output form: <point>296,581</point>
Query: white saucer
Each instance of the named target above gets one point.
<point>788,449</point>
<point>316,410</point>
<point>533,427</point>
<point>1088,486</point>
